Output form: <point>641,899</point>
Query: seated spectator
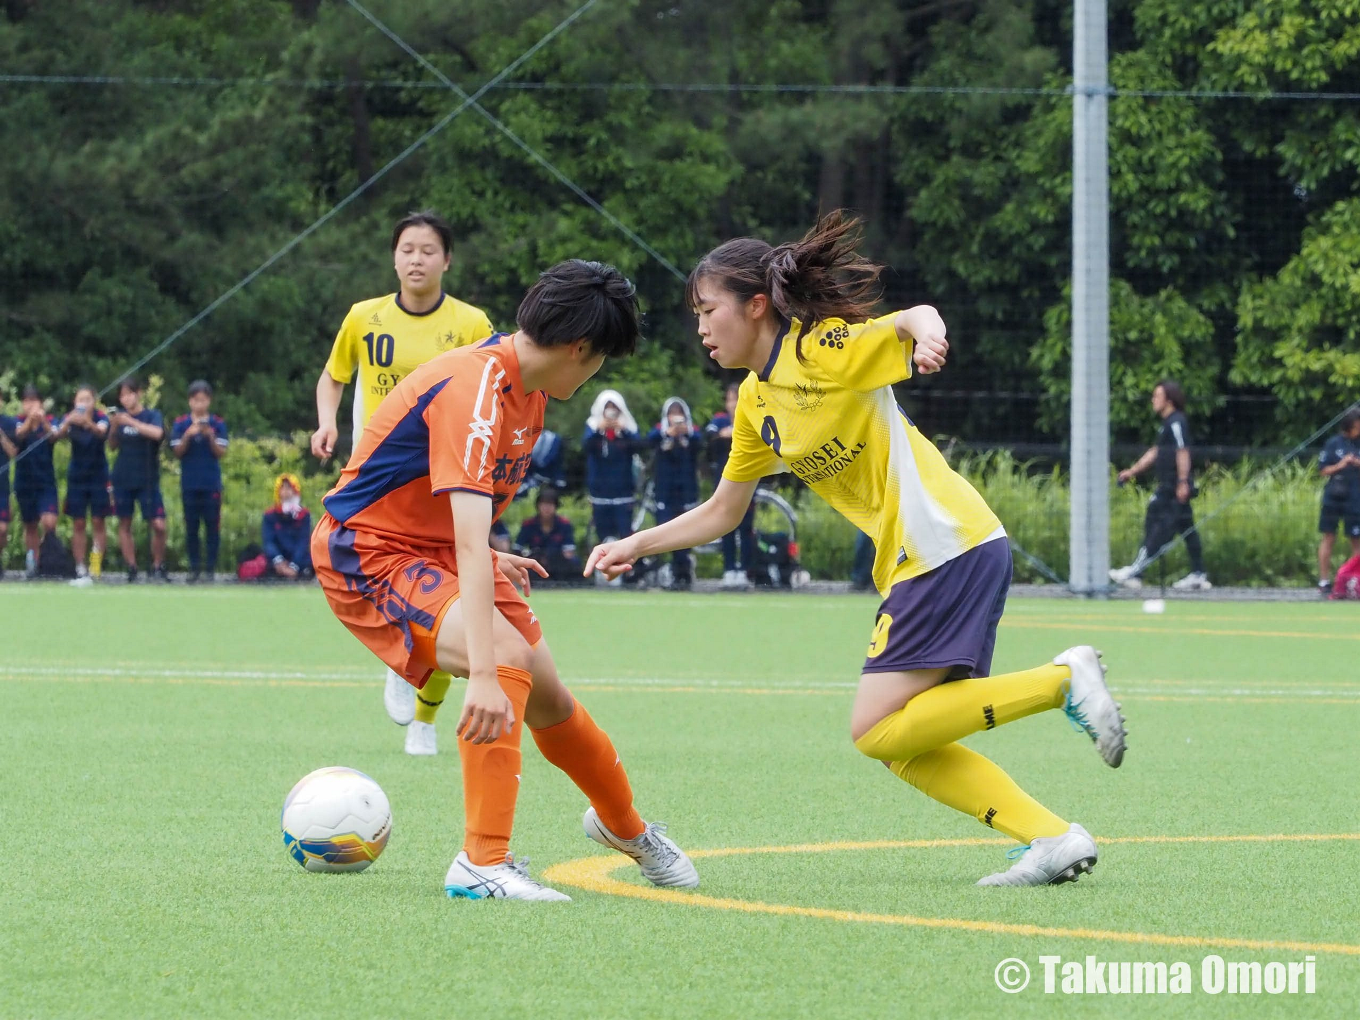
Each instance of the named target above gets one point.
<point>549,538</point>
<point>678,444</point>
<point>35,478</point>
<point>611,437</point>
<point>287,532</point>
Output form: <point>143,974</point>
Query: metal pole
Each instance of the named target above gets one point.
<point>1089,529</point>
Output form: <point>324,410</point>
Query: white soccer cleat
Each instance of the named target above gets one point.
<point>662,862</point>
<point>1049,860</point>
<point>1121,574</point>
<point>508,881</point>
<point>1194,581</point>
<point>399,698</point>
<point>420,739</point>
<point>1090,705</point>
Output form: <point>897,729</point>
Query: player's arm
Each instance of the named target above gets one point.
<point>330,386</point>
<point>152,431</point>
<point>6,444</point>
<point>181,438</point>
<point>487,712</point>
<point>710,520</point>
<point>867,356</point>
<point>1140,465</point>
<point>217,441</point>
<point>924,329</point>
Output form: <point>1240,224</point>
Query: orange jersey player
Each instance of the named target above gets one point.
<point>402,557</point>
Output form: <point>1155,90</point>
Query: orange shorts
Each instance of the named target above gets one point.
<point>393,597</point>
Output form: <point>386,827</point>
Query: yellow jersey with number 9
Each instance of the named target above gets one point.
<point>384,343</point>
<point>833,421</point>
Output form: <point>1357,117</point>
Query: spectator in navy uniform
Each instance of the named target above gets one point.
<point>718,442</point>
<point>549,538</point>
<point>7,451</point>
<point>678,446</point>
<point>611,437</point>
<point>87,479</point>
<point>1339,463</point>
<point>499,538</point>
<point>35,477</point>
<point>1169,513</point>
<point>199,440</point>
<point>287,532</point>
<point>136,433</point>
<point>548,463</point>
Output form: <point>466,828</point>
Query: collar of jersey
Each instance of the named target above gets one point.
<point>764,375</point>
<point>420,315</point>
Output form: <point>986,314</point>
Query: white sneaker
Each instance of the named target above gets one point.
<point>420,739</point>
<point>1049,860</point>
<point>399,698</point>
<point>662,862</point>
<point>83,581</point>
<point>1090,705</point>
<point>508,881</point>
<point>1121,574</point>
<point>1194,581</point>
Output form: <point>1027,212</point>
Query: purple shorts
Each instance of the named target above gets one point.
<point>945,617</point>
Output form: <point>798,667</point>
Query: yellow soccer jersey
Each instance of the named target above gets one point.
<point>385,342</point>
<point>835,423</point>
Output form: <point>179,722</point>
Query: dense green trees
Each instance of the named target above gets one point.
<point>125,208</point>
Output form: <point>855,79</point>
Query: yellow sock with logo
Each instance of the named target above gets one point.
<point>966,781</point>
<point>431,696</point>
<point>949,711</point>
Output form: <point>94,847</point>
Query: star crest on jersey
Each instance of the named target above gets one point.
<point>808,397</point>
<point>448,341</point>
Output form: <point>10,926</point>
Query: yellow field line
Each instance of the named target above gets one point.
<point>595,874</point>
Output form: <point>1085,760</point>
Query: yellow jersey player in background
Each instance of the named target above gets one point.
<point>819,403</point>
<point>384,339</point>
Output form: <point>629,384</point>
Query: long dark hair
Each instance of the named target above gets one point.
<point>1173,393</point>
<point>821,276</point>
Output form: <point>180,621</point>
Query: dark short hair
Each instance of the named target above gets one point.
<point>200,386</point>
<point>579,300</point>
<point>81,387</point>
<point>31,392</point>
<point>546,495</point>
<point>424,218</point>
<point>130,382</point>
<point>1173,392</point>
<point>1350,419</point>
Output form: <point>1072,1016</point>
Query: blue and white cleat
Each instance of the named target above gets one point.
<point>1090,705</point>
<point>1049,860</point>
<point>508,881</point>
<point>662,862</point>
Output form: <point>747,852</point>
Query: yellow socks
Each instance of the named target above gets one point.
<point>966,781</point>
<point>949,711</point>
<point>431,696</point>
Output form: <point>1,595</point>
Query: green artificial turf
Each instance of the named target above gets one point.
<point>148,737</point>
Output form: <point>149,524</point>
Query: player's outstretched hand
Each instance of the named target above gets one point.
<point>517,568</point>
<point>487,712</point>
<point>323,442</point>
<point>612,558</point>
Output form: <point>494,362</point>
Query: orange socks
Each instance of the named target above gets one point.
<point>491,779</point>
<point>583,751</point>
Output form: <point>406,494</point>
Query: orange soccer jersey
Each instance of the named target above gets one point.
<point>384,549</point>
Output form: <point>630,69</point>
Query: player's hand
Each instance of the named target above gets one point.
<point>1125,475</point>
<point>613,558</point>
<point>323,442</point>
<point>518,568</point>
<point>930,352</point>
<point>1183,491</point>
<point>487,712</point>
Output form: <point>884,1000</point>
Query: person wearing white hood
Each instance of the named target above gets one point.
<point>610,438</point>
<point>677,443</point>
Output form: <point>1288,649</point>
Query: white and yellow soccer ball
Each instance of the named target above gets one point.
<point>336,819</point>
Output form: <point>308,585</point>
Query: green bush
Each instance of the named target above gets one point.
<point>1266,537</point>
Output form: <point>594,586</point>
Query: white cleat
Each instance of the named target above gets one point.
<point>508,881</point>
<point>1090,705</point>
<point>420,739</point>
<point>1196,581</point>
<point>1049,860</point>
<point>662,862</point>
<point>399,698</point>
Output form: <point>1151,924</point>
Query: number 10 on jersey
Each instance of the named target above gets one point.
<point>380,348</point>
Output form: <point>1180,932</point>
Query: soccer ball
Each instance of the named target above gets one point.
<point>336,819</point>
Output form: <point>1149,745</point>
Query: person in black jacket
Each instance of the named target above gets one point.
<point>1169,513</point>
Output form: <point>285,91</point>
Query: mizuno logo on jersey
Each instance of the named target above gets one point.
<point>519,435</point>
